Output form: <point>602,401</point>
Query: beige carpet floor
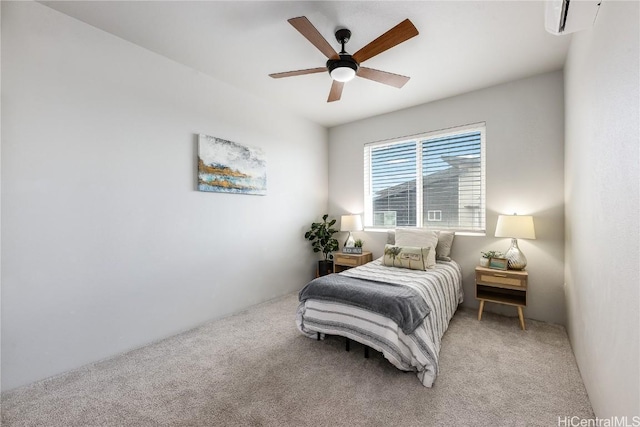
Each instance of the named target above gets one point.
<point>255,369</point>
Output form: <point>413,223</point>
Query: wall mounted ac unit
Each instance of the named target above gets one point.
<point>568,16</point>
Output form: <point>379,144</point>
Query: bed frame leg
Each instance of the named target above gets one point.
<point>366,352</point>
<point>347,344</point>
<point>318,336</point>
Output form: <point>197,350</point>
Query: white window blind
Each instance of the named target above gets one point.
<point>407,181</point>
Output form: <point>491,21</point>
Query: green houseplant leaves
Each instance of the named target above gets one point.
<point>321,237</point>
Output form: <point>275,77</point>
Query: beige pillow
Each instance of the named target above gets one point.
<point>419,238</point>
<point>445,242</point>
<point>406,257</point>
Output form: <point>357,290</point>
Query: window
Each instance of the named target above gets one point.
<point>431,180</point>
<point>434,215</point>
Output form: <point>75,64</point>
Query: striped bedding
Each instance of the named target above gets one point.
<point>441,287</point>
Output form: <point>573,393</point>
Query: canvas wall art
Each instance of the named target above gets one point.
<point>228,167</point>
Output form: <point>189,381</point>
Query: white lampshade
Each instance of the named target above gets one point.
<point>350,223</point>
<point>515,226</point>
<point>343,74</point>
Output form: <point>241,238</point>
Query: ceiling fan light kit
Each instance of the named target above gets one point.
<point>344,67</point>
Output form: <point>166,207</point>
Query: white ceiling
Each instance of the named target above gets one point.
<point>462,46</point>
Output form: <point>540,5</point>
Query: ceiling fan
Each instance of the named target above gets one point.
<point>342,66</point>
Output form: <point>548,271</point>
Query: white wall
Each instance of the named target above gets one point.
<point>602,209</point>
<point>0,201</point>
<point>524,122</point>
<point>106,245</point>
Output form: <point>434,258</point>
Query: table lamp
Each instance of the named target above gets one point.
<point>516,227</point>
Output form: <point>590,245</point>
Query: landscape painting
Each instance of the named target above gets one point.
<point>227,167</point>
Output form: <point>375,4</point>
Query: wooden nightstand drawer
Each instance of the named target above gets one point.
<point>345,260</point>
<point>501,278</point>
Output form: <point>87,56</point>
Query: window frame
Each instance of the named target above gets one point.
<point>419,209</point>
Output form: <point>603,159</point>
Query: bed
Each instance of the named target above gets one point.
<point>410,340</point>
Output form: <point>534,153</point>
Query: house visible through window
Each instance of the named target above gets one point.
<point>432,180</point>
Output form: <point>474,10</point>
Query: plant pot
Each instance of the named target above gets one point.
<point>484,262</point>
<point>325,267</point>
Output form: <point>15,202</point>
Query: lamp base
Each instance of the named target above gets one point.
<point>517,260</point>
<point>350,242</point>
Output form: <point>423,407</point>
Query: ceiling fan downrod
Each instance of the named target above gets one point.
<point>342,36</point>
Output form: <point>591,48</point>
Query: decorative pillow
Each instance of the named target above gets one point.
<point>406,257</point>
<point>445,242</point>
<point>420,238</point>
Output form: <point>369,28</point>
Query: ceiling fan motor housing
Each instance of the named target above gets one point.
<point>345,61</point>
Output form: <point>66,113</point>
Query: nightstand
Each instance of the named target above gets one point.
<point>343,261</point>
<point>502,287</point>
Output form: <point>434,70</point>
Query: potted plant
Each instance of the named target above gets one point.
<point>320,235</point>
<point>485,259</point>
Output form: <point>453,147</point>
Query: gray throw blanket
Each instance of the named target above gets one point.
<point>401,304</point>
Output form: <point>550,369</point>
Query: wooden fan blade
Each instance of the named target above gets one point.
<point>306,28</point>
<point>395,80</point>
<point>336,91</point>
<point>398,34</point>
<point>298,72</point>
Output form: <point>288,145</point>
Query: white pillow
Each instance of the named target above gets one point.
<point>419,238</point>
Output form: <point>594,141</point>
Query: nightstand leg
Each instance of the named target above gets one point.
<point>521,316</point>
<point>480,309</point>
